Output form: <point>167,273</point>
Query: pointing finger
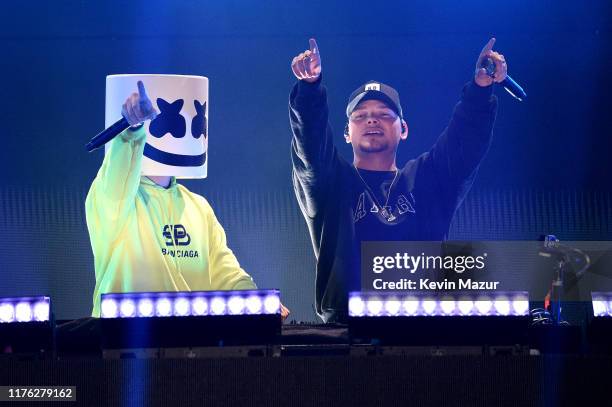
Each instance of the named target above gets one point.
<point>488,47</point>
<point>141,90</point>
<point>314,48</point>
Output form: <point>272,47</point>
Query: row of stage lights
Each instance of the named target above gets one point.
<point>266,302</point>
<point>25,309</point>
<point>146,305</point>
<point>187,319</point>
<point>390,304</point>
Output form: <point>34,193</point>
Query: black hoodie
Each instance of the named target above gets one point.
<point>338,206</point>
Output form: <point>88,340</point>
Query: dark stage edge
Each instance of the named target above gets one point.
<point>323,374</point>
<point>326,381</point>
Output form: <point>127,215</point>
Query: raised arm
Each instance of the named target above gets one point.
<point>457,153</point>
<point>313,151</point>
<point>113,190</point>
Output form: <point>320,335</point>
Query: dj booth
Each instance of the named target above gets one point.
<point>231,348</point>
<point>315,365</point>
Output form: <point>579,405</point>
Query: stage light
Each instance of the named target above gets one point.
<point>602,304</point>
<point>217,306</point>
<point>483,306</point>
<point>392,306</point>
<point>199,306</point>
<point>128,305</point>
<point>448,306</point>
<point>181,307</point>
<point>109,308</point>
<point>163,307</point>
<point>374,306</point>
<point>253,304</point>
<point>410,306</point>
<point>127,308</point>
<point>465,306</point>
<point>187,319</point>
<point>520,305</point>
<point>25,309</point>
<point>146,308</point>
<point>235,305</point>
<point>502,305</point>
<point>7,312</point>
<point>271,304</point>
<point>599,330</point>
<point>356,305</point>
<point>23,312</point>
<point>392,303</point>
<point>42,310</point>
<point>599,308</point>
<point>429,306</point>
<point>26,324</point>
<point>422,318</point>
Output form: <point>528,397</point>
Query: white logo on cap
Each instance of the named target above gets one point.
<point>372,86</point>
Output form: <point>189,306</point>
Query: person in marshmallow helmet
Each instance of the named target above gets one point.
<point>149,233</point>
<point>371,199</point>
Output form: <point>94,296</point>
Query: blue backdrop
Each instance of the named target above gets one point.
<point>548,170</point>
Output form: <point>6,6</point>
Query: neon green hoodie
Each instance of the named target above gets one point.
<point>148,238</point>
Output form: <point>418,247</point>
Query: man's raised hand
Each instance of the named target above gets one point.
<point>501,68</point>
<point>137,107</point>
<point>307,65</point>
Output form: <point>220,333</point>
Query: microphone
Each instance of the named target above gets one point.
<point>107,134</point>
<point>509,84</point>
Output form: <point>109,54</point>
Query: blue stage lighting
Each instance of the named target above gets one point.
<point>427,319</point>
<point>189,319</point>
<point>371,304</point>
<point>26,325</point>
<point>25,309</point>
<point>602,304</point>
<point>599,331</point>
<point>183,304</point>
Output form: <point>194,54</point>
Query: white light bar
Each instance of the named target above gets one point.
<point>384,304</point>
<point>602,304</point>
<point>25,309</point>
<point>183,304</point>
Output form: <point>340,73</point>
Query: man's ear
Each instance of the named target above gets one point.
<point>404,133</point>
<point>347,136</point>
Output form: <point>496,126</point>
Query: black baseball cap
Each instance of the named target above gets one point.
<point>377,91</point>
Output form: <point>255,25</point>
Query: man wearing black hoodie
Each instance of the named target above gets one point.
<point>371,198</point>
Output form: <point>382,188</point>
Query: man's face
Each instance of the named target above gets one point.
<point>374,128</point>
